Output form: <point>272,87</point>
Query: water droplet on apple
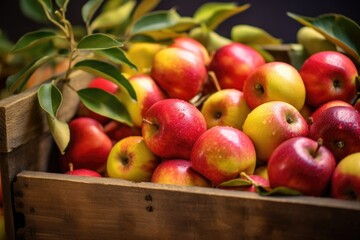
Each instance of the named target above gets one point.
<point>181,115</point>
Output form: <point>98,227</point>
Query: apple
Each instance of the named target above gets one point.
<point>82,172</point>
<point>132,160</point>
<point>101,83</point>
<point>117,130</point>
<point>147,92</point>
<point>270,124</point>
<point>226,107</point>
<point>328,75</point>
<point>180,73</point>
<point>339,127</point>
<point>321,108</point>
<point>261,171</point>
<point>233,63</point>
<point>222,153</point>
<point>192,45</point>
<point>302,164</point>
<point>171,127</point>
<point>178,172</point>
<point>345,182</point>
<point>275,81</point>
<point>89,145</point>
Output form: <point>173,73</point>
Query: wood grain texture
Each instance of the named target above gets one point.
<point>58,206</point>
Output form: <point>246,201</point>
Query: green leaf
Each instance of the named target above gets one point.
<point>237,182</point>
<point>33,11</point>
<point>48,4</point>
<point>215,13</point>
<point>60,132</point>
<point>115,17</point>
<point>278,191</point>
<point>50,98</point>
<point>108,71</point>
<point>89,9</point>
<point>112,4</point>
<point>248,34</point>
<point>62,3</point>
<point>31,39</point>
<point>105,104</point>
<point>98,41</point>
<point>16,82</point>
<point>337,28</point>
<point>144,7</point>
<point>117,56</point>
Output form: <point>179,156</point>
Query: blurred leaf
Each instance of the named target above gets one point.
<point>89,9</point>
<point>5,44</point>
<point>144,7</point>
<point>117,56</point>
<point>108,71</point>
<point>50,98</point>
<point>115,17</point>
<point>33,10</point>
<point>337,28</point>
<point>62,3</point>
<point>60,132</point>
<point>98,41</point>
<point>16,82</point>
<point>33,38</point>
<point>110,5</point>
<point>48,4</point>
<point>278,191</point>
<point>237,182</point>
<point>215,13</point>
<point>248,34</point>
<point>105,104</point>
<point>161,25</point>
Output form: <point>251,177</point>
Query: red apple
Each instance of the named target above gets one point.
<point>226,107</point>
<point>270,124</point>
<point>339,127</point>
<point>222,153</point>
<point>117,130</point>
<point>178,172</point>
<point>192,45</point>
<point>180,73</point>
<point>89,146</point>
<point>82,172</point>
<point>302,164</point>
<point>345,182</point>
<point>132,160</point>
<point>171,127</point>
<point>105,85</point>
<point>233,63</point>
<point>328,75</point>
<point>325,106</point>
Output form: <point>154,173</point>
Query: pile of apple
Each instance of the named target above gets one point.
<point>228,120</point>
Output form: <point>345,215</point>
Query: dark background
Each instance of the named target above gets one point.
<point>267,14</point>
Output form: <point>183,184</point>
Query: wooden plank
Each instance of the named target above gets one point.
<point>22,119</point>
<point>58,206</point>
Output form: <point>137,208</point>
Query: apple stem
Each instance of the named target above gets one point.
<point>147,121</point>
<point>247,177</point>
<point>214,80</point>
<point>320,142</point>
<point>71,167</point>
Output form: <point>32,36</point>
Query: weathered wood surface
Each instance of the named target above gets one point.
<point>58,206</point>
<point>22,119</point>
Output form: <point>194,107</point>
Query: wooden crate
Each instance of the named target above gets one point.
<point>42,204</point>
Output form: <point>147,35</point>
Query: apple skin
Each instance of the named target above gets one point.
<point>328,75</point>
<point>171,127</point>
<point>325,106</point>
<point>293,165</point>
<point>345,183</point>
<point>270,124</point>
<point>222,153</point>
<point>226,107</point>
<point>275,81</point>
<point>132,160</point>
<point>117,130</point>
<point>192,45</point>
<point>339,127</point>
<point>147,92</point>
<point>178,172</point>
<point>233,63</point>
<point>89,146</point>
<point>82,172</point>
<point>180,73</point>
<point>101,83</point>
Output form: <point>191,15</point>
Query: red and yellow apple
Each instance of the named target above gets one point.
<point>222,153</point>
<point>192,45</point>
<point>226,107</point>
<point>275,81</point>
<point>132,160</point>
<point>270,124</point>
<point>82,172</point>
